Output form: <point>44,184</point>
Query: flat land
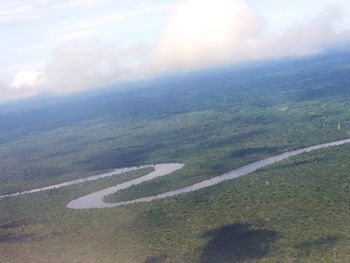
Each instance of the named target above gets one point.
<point>293,211</point>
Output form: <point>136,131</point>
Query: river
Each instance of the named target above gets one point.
<point>96,199</point>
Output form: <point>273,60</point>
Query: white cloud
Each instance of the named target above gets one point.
<point>27,78</point>
<point>207,31</point>
<point>76,66</point>
<point>202,33</point>
<point>26,83</point>
<point>309,37</point>
<point>9,93</point>
<point>79,66</point>
<point>198,34</point>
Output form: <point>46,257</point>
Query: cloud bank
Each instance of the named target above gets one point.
<point>202,33</point>
<point>76,67</point>
<point>198,34</point>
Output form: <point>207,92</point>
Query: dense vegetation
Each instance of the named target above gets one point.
<point>213,121</point>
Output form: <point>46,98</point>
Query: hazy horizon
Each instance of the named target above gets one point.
<point>73,46</point>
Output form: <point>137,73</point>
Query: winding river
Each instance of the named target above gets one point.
<point>96,199</point>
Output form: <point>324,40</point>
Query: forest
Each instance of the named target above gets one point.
<point>213,121</point>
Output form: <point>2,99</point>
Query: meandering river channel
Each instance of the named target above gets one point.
<point>96,199</point>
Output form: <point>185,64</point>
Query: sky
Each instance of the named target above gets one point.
<point>67,46</point>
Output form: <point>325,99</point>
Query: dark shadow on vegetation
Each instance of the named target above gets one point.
<point>44,172</point>
<point>20,223</point>
<point>320,116</point>
<point>258,119</point>
<point>121,157</point>
<point>62,153</point>
<point>37,172</point>
<point>11,238</point>
<point>238,138</point>
<point>155,217</point>
<point>11,225</point>
<point>298,163</point>
<point>324,242</point>
<point>237,243</point>
<point>326,91</point>
<point>159,259</point>
<point>256,150</point>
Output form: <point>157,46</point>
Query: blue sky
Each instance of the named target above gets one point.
<point>34,28</point>
<point>67,46</point>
